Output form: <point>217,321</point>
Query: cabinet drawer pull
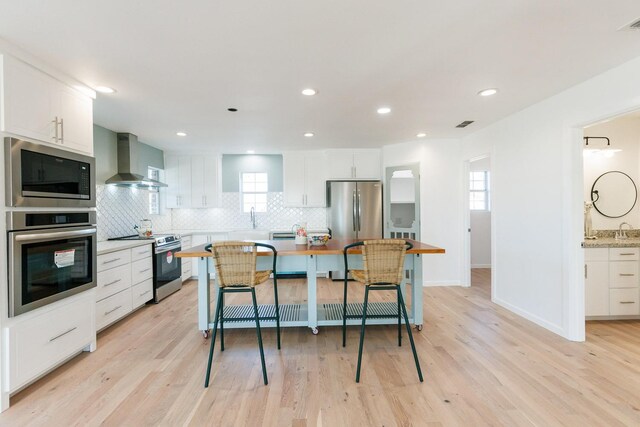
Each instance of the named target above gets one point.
<point>145,292</point>
<point>106,313</point>
<point>112,283</point>
<point>142,252</point>
<point>146,269</point>
<point>627,274</point>
<point>628,253</point>
<point>627,302</point>
<point>63,334</point>
<point>111,260</point>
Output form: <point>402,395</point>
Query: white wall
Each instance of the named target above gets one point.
<point>440,211</point>
<point>480,222</point>
<point>538,190</point>
<point>624,134</point>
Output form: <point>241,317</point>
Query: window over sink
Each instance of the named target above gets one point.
<point>254,187</point>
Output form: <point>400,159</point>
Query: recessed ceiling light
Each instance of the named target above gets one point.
<point>421,135</point>
<point>251,151</point>
<point>488,92</point>
<point>104,89</point>
<point>181,133</point>
<point>308,134</point>
<point>233,110</point>
<point>309,92</point>
<point>384,110</point>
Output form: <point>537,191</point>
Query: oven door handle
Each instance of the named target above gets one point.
<point>167,248</point>
<point>54,235</point>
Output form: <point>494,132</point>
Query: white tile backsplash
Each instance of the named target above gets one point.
<point>120,208</point>
<point>230,216</point>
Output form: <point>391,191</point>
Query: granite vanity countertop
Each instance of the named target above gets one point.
<point>118,245</point>
<point>610,242</point>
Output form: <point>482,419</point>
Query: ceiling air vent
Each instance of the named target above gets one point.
<point>465,124</point>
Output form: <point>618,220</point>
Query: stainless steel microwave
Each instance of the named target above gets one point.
<point>37,175</point>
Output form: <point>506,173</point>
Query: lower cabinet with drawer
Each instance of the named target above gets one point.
<point>187,271</point>
<point>612,282</point>
<point>123,287</point>
<point>40,342</point>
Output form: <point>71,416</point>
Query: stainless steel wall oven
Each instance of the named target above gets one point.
<point>51,256</point>
<point>37,175</point>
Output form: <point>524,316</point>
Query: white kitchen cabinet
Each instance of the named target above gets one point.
<point>204,182</point>
<point>186,262</point>
<point>37,106</point>
<point>178,173</point>
<point>353,164</point>
<point>304,180</point>
<point>202,239</point>
<point>612,287</point>
<point>125,282</point>
<point>596,282</point>
<point>39,342</point>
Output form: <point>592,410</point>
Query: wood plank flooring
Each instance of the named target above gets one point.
<point>483,366</point>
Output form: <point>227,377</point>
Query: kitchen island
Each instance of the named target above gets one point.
<point>292,257</point>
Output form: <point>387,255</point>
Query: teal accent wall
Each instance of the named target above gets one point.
<point>105,150</point>
<point>234,164</point>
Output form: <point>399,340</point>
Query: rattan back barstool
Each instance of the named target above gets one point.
<point>235,263</point>
<point>383,268</point>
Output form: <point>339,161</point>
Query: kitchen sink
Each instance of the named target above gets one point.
<point>249,234</point>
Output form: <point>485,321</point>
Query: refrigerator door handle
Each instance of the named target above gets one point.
<point>355,227</point>
<point>359,211</point>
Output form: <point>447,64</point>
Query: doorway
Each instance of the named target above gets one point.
<point>478,221</point>
<point>402,202</point>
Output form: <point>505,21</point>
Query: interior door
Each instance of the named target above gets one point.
<point>369,210</point>
<point>402,202</point>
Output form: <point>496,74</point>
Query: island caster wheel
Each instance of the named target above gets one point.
<point>315,331</point>
<point>418,328</point>
<point>205,334</point>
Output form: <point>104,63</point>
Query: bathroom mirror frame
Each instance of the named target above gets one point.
<point>595,195</point>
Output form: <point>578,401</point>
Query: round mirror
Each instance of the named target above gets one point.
<point>614,194</point>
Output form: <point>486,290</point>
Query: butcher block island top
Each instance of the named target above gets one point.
<point>289,248</point>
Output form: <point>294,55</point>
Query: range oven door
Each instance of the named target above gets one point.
<point>167,270</point>
<point>49,265</point>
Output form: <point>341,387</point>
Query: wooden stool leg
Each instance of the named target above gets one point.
<point>344,313</point>
<point>255,311</point>
<point>413,346</point>
<point>213,338</point>
<point>364,320</point>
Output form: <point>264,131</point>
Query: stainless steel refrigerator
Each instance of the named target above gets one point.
<point>355,211</point>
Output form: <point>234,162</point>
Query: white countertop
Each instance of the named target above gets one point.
<point>118,245</point>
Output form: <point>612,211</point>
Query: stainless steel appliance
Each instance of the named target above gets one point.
<point>128,174</point>
<point>355,211</point>
<point>167,268</point>
<point>52,255</point>
<point>37,175</point>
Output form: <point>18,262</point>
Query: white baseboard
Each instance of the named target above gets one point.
<point>480,265</point>
<point>531,317</point>
<point>441,283</point>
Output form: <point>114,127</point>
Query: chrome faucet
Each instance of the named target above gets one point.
<point>621,234</point>
<point>253,217</point>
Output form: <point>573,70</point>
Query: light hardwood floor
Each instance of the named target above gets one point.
<point>483,366</point>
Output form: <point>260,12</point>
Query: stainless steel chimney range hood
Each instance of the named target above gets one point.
<point>127,175</point>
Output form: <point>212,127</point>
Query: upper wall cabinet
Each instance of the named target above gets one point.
<point>37,106</point>
<point>192,180</point>
<point>354,164</point>
<point>304,182</point>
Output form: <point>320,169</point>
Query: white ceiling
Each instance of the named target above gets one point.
<point>179,65</point>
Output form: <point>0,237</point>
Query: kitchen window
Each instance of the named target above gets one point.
<point>254,187</point>
<point>479,191</point>
<point>154,192</point>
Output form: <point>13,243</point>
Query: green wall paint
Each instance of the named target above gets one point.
<point>234,164</point>
<point>105,143</point>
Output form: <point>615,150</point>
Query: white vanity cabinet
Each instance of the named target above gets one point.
<point>37,106</point>
<point>303,179</point>
<point>125,282</point>
<point>612,282</point>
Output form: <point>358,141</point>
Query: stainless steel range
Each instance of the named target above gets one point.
<point>167,268</point>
